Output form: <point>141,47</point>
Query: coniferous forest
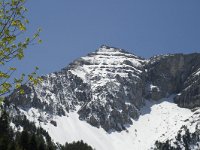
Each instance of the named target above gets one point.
<point>31,138</point>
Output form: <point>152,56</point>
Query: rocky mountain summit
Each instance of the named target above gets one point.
<point>175,74</point>
<point>109,86</point>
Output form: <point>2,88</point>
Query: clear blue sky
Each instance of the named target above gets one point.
<point>73,28</point>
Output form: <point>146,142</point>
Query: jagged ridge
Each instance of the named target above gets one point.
<point>108,87</point>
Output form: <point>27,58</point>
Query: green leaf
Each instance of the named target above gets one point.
<point>27,21</point>
<point>22,27</point>
<point>36,68</point>
<point>39,41</point>
<point>20,54</point>
<point>3,75</point>
<point>21,91</point>
<point>13,69</point>
<point>1,100</point>
<point>39,30</point>
<point>5,87</point>
<point>18,85</point>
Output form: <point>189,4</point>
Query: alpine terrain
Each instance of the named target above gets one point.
<point>112,99</point>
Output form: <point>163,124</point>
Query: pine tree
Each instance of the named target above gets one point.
<point>24,140</point>
<point>13,146</point>
<point>4,131</point>
<point>33,143</point>
<point>41,146</point>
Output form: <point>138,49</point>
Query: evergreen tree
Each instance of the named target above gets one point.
<point>33,143</point>
<point>5,133</point>
<point>80,145</point>
<point>31,138</point>
<point>178,136</point>
<point>24,140</point>
<point>13,146</point>
<point>41,146</point>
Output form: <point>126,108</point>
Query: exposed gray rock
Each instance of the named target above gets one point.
<point>167,74</point>
<point>53,123</point>
<point>108,87</point>
<point>189,97</point>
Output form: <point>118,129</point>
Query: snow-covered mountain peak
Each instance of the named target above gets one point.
<point>105,48</point>
<point>113,51</point>
<point>108,49</point>
<point>111,74</point>
<point>106,85</point>
<point>107,89</point>
<point>107,62</point>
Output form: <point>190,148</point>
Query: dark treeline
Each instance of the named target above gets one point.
<point>31,138</point>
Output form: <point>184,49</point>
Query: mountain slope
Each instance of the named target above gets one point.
<point>112,95</point>
<point>107,85</point>
<point>158,120</point>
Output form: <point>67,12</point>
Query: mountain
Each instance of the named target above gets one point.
<point>113,99</point>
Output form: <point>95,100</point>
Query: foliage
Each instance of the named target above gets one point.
<point>12,44</point>
<point>80,145</point>
<point>31,138</point>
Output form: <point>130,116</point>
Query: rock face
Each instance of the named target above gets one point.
<point>169,74</point>
<point>189,97</point>
<point>58,94</point>
<point>108,87</point>
<point>115,78</point>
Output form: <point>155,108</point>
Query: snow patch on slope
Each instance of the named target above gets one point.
<point>197,72</point>
<point>158,120</point>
